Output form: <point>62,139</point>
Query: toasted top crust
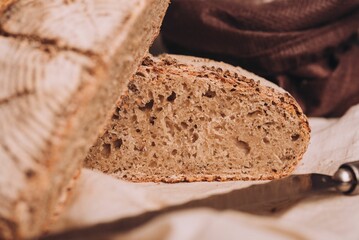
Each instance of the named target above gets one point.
<point>199,62</point>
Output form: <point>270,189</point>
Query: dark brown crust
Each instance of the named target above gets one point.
<point>282,99</point>
<point>206,178</point>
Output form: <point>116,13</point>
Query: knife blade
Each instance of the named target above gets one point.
<point>258,199</point>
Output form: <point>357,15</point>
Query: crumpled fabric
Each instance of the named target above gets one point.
<point>308,47</point>
<point>99,198</point>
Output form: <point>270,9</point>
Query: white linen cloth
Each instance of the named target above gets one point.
<point>98,198</point>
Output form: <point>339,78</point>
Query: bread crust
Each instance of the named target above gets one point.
<point>54,79</point>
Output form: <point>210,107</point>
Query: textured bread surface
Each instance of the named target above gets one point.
<point>192,119</point>
<point>62,67</point>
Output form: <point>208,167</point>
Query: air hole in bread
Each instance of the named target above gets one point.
<point>185,87</point>
<point>132,87</point>
<point>117,144</point>
<point>106,150</point>
<point>266,140</point>
<point>209,93</point>
<point>171,97</point>
<point>218,128</point>
<point>184,125</point>
<point>244,146</point>
<point>161,98</point>
<point>199,108</point>
<point>152,120</point>
<point>254,113</point>
<point>134,118</point>
<point>177,127</point>
<point>148,106</point>
<point>295,137</point>
<point>195,137</point>
<point>140,74</point>
<point>116,114</point>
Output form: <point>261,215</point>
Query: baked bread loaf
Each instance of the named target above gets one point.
<point>62,67</point>
<point>193,119</point>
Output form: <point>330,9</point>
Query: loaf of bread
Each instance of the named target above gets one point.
<point>192,119</point>
<point>62,67</point>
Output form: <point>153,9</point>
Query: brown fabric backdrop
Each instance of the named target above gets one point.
<point>308,47</point>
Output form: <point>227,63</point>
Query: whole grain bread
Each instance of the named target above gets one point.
<point>192,119</point>
<point>62,67</point>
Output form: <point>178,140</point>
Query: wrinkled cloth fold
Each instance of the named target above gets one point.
<point>310,48</point>
<point>100,198</point>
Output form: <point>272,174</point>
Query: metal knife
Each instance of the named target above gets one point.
<point>257,199</point>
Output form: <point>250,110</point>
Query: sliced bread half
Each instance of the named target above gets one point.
<point>192,119</point>
<point>62,67</point>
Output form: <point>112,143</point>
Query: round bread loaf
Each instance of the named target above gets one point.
<point>62,65</point>
<point>192,119</point>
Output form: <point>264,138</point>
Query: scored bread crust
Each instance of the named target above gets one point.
<point>62,65</point>
<point>194,68</point>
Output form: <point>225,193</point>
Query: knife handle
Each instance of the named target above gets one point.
<point>347,178</point>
